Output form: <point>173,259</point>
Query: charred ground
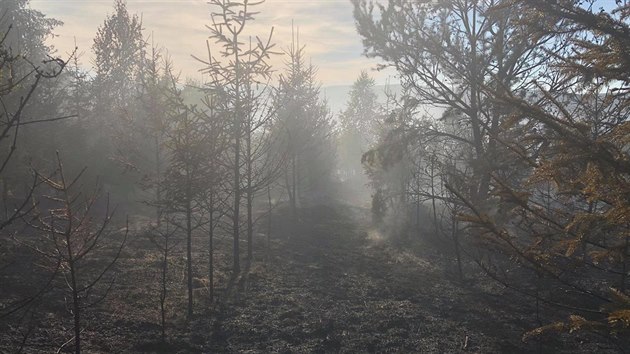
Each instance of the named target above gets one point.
<point>325,287</point>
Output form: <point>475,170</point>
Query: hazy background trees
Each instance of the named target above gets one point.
<point>360,126</point>
<point>120,65</point>
<point>306,130</point>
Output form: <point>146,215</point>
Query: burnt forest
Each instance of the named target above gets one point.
<point>325,176</point>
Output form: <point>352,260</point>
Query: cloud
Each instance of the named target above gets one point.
<point>326,27</point>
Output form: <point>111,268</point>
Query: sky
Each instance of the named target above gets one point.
<point>326,28</point>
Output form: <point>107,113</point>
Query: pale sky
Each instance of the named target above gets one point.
<point>326,28</point>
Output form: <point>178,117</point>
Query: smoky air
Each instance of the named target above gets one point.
<point>327,176</point>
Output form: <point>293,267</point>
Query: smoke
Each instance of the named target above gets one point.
<point>375,235</point>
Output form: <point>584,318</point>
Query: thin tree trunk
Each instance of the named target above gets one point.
<point>5,197</point>
<point>267,248</point>
<point>538,321</point>
<point>211,251</point>
<point>250,198</point>
<point>237,161</point>
<point>76,308</point>
<point>403,194</point>
<point>287,185</point>
<point>482,177</point>
<point>250,228</point>
<point>455,235</point>
<point>163,294</point>
<point>435,218</point>
<point>189,251</point>
<point>624,272</point>
<point>294,188</point>
<point>237,205</point>
<point>418,205</point>
<point>158,196</point>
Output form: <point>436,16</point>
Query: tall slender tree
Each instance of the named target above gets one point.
<point>185,178</point>
<point>119,50</point>
<point>233,74</point>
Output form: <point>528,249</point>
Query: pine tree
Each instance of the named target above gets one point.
<point>233,76</point>
<point>122,143</point>
<point>307,132</point>
<point>119,53</point>
<point>184,181</point>
<point>71,240</point>
<point>359,131</point>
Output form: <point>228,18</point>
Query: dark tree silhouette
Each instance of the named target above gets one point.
<point>233,73</point>
<point>72,238</point>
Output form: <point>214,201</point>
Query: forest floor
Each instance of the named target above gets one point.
<point>336,286</point>
<point>330,284</point>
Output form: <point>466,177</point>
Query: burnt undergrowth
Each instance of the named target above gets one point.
<point>328,285</point>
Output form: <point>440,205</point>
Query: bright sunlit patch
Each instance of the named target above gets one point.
<point>375,235</point>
